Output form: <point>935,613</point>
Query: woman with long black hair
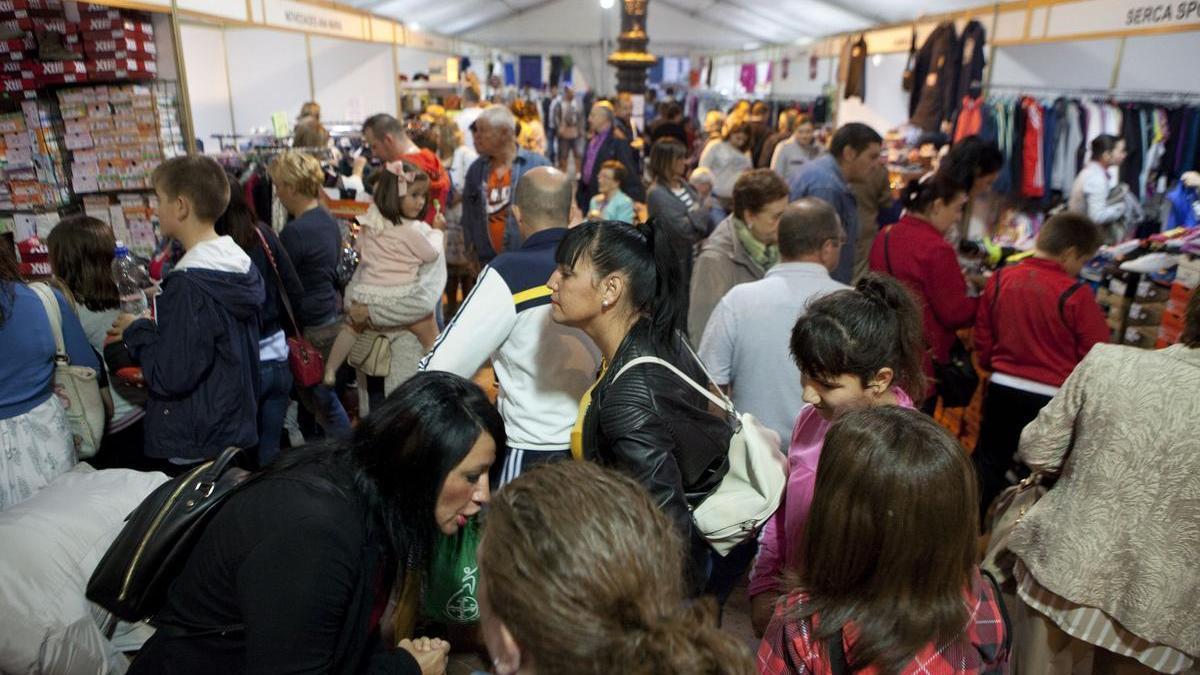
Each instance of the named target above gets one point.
<point>304,561</point>
<point>620,285</point>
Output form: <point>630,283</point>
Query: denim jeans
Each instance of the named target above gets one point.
<point>272,407</point>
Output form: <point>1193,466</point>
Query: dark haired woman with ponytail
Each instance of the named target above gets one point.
<point>620,285</point>
<point>915,251</point>
<point>856,349</point>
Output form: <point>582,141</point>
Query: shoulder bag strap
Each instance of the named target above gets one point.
<point>283,296</point>
<point>995,302</point>
<point>837,653</point>
<point>1062,300</point>
<point>717,401</point>
<point>50,304</point>
<point>887,249</point>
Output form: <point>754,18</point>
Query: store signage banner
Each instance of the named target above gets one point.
<point>313,19</point>
<point>1105,16</point>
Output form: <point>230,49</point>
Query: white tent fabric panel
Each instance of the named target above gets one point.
<point>886,103</point>
<point>263,61</point>
<point>352,79</point>
<point>700,24</point>
<point>1144,68</point>
<point>208,82</point>
<point>1066,65</point>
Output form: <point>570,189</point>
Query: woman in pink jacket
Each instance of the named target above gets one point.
<point>855,349</point>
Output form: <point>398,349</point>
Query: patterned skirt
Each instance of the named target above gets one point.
<point>1095,627</point>
<point>35,448</point>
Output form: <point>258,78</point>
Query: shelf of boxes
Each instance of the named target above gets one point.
<point>34,175</point>
<point>112,133</point>
<point>132,217</point>
<point>1187,278</point>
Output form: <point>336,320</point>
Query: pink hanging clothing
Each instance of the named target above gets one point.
<point>783,531</point>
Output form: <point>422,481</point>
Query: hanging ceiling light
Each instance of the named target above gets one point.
<point>414,25</point>
<point>606,4</point>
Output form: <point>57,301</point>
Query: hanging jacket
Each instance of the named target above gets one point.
<point>200,354</point>
<point>969,81</point>
<point>856,74</point>
<point>934,79</point>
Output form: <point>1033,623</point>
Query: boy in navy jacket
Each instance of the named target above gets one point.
<point>199,355</point>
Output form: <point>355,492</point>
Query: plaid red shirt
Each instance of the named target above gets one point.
<point>980,649</point>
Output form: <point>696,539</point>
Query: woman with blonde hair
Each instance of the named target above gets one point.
<point>600,591</point>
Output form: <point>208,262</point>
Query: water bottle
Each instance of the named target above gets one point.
<point>131,281</point>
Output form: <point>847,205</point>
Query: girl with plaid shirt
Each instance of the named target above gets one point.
<point>889,582</point>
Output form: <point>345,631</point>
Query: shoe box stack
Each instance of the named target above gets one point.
<point>118,44</point>
<point>33,159</point>
<point>166,101</point>
<point>113,135</point>
<point>133,219</point>
<point>42,45</point>
<point>39,46</point>
<point>1187,279</point>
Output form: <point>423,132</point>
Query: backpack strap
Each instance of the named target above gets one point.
<point>722,401</point>
<point>987,576</point>
<point>1066,295</point>
<point>995,302</point>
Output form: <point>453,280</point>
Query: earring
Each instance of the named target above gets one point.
<point>604,304</point>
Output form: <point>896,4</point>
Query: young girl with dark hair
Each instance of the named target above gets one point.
<point>81,254</point>
<point>916,252</point>
<point>394,244</point>
<point>305,558</point>
<point>856,349</point>
<point>275,266</point>
<point>619,285</point>
<point>888,581</point>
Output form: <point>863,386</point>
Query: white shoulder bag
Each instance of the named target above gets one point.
<point>751,490</point>
<point>76,386</point>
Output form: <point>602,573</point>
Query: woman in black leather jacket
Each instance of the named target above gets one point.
<point>619,284</point>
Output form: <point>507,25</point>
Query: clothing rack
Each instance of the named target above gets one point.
<point>1165,97</point>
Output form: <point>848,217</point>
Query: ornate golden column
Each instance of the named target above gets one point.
<point>631,58</point>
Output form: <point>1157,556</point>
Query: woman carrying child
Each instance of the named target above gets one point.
<point>394,245</point>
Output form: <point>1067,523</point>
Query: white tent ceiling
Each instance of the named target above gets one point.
<point>672,24</point>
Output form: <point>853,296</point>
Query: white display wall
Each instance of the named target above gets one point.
<point>238,77</point>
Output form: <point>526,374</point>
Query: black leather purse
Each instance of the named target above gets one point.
<point>132,578</point>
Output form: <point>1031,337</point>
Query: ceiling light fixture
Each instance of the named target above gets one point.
<point>606,4</point>
<point>414,25</point>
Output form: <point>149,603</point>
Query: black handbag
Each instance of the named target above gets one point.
<point>957,378</point>
<point>132,578</point>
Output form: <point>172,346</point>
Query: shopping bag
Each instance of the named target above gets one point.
<point>453,577</point>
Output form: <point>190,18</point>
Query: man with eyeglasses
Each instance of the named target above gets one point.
<point>745,344</point>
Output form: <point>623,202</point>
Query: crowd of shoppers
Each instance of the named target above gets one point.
<point>599,268</point>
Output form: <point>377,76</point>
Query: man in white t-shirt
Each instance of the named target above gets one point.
<point>746,342</point>
<point>468,115</point>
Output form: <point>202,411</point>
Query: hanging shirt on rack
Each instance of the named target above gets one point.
<point>970,118</point>
<point>1033,174</point>
<point>1066,153</point>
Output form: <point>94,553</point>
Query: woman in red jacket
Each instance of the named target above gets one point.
<point>915,251</point>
